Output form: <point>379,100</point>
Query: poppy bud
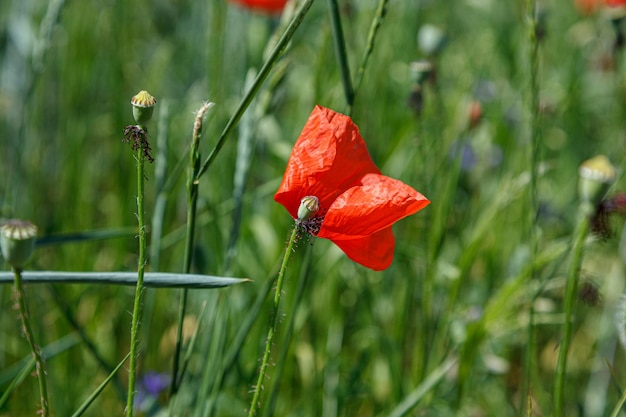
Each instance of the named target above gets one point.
<point>17,241</point>
<point>309,205</point>
<point>420,71</point>
<point>596,176</point>
<point>143,106</point>
<point>431,39</point>
<point>474,113</point>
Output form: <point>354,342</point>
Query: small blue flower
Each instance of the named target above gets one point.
<point>150,386</point>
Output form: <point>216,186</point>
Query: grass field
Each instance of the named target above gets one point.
<point>503,273</point>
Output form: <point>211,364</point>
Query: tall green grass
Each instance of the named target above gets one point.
<point>468,320</point>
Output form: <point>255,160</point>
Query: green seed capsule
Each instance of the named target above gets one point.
<point>17,241</point>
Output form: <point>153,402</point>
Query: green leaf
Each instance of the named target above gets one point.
<point>151,279</point>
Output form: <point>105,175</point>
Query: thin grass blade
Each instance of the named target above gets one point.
<point>100,388</point>
<point>418,393</point>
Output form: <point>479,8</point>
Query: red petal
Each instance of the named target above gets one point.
<point>587,7</point>
<point>374,251</point>
<point>374,205</point>
<point>270,6</point>
<point>328,158</point>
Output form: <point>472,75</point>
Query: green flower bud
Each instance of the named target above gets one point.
<point>309,205</point>
<point>17,241</point>
<point>596,177</point>
<point>431,39</point>
<point>143,106</point>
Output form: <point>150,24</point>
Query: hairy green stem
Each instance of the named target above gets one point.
<point>570,301</point>
<point>303,279</point>
<point>20,300</point>
<point>535,140</point>
<point>271,331</point>
<point>139,289</point>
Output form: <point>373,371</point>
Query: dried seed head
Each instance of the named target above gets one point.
<point>17,241</point>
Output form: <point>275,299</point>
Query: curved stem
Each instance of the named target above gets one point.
<point>570,300</point>
<point>271,331</point>
<point>141,264</point>
<point>258,82</point>
<point>20,299</point>
<point>342,55</point>
<point>381,11</point>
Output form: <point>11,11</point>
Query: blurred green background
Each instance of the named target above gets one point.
<point>362,341</point>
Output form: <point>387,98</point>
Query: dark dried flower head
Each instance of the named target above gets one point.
<point>310,226</point>
<point>415,101</point>
<point>138,138</point>
<point>589,293</point>
<point>600,224</point>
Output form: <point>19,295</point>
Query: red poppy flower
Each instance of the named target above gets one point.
<point>269,6</point>
<point>357,204</point>
<point>588,7</point>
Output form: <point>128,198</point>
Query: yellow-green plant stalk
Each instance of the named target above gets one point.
<point>596,176</point>
<point>192,203</point>
<point>17,241</point>
<point>143,106</point>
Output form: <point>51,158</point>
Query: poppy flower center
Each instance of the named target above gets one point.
<point>310,226</point>
<point>309,205</point>
<point>308,221</point>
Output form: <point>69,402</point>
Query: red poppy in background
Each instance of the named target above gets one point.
<point>269,6</point>
<point>588,7</point>
<point>357,204</point>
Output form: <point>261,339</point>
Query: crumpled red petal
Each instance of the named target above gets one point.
<point>328,158</point>
<point>615,3</point>
<point>377,203</point>
<point>374,251</point>
<point>270,6</point>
